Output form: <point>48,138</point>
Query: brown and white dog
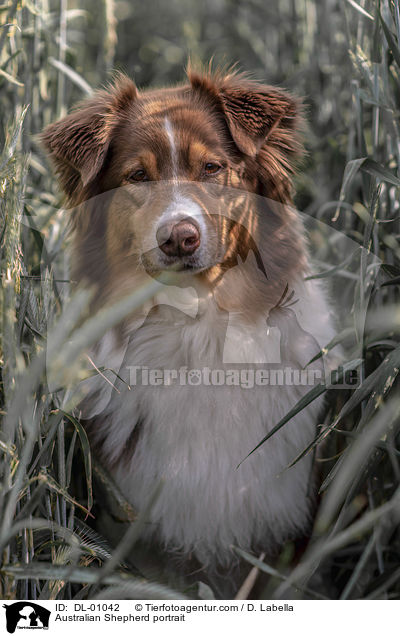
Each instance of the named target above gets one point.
<point>197,179</point>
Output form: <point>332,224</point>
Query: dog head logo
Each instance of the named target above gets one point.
<point>26,615</point>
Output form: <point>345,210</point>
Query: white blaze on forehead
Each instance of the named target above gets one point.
<point>172,144</point>
<point>181,206</point>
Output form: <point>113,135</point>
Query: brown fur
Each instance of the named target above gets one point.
<point>250,128</point>
<point>263,123</point>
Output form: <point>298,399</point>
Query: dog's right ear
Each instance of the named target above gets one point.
<point>78,144</point>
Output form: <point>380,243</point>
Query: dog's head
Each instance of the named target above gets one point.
<point>161,160</point>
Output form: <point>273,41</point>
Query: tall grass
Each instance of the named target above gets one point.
<point>344,57</point>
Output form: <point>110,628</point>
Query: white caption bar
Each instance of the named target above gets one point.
<point>195,617</point>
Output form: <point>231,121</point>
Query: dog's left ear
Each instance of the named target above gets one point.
<point>252,110</point>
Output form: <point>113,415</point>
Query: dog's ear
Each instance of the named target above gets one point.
<point>264,122</point>
<point>252,110</point>
<point>78,143</point>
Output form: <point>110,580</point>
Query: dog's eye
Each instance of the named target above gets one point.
<point>212,168</point>
<point>138,175</point>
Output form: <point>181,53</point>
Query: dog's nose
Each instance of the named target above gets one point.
<point>179,239</point>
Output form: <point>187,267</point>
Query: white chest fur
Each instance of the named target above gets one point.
<point>192,437</point>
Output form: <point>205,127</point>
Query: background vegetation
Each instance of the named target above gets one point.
<point>343,56</point>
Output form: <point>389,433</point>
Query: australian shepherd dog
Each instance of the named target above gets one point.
<point>189,189</point>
